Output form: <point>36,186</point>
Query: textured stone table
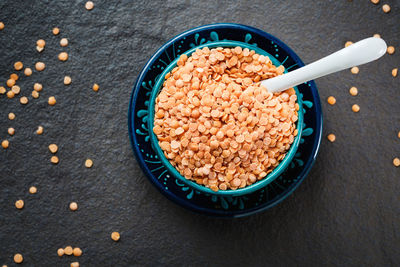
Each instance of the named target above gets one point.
<point>346,213</point>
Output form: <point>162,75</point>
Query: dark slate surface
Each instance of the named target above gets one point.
<point>346,213</point>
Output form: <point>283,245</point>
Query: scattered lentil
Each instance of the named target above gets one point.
<point>398,134</point>
<point>235,132</point>
<point>39,49</point>
<point>11,116</point>
<point>355,108</point>
<point>32,190</point>
<point>53,148</point>
<point>376,35</point>
<point>396,162</point>
<point>18,258</point>
<point>56,31</point>
<point>14,76</point>
<point>54,160</point>
<point>375,2</point>
<point>390,50</point>
<point>348,43</point>
<point>73,206</point>
<point>52,101</point>
<point>77,252</point>
<point>39,130</point>
<point>19,204</point>
<point>89,5</point>
<point>386,8</point>
<point>355,70</point>
<point>74,264</point>
<point>11,131</point>
<point>60,252</point>
<point>88,163</point>
<point>40,43</point>
<point>16,89</point>
<point>28,71</point>
<point>64,42</point>
<point>1,25</point>
<point>40,66</point>
<point>37,87</point>
<point>5,144</point>
<point>10,94</point>
<point>68,250</point>
<point>18,65</point>
<point>394,72</point>
<point>96,87</point>
<point>331,100</point>
<point>2,90</point>
<point>35,94</point>
<point>331,138</point>
<point>23,100</point>
<point>67,80</point>
<point>10,82</point>
<point>63,56</point>
<point>115,236</point>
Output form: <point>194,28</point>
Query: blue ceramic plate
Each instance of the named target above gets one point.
<point>172,188</point>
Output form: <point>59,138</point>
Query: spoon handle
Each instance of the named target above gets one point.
<point>362,52</point>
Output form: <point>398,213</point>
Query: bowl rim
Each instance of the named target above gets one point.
<point>277,171</point>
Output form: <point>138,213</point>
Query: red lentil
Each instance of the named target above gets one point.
<point>18,65</point>
<point>39,130</point>
<point>37,87</point>
<point>11,131</point>
<point>56,31</point>
<point>10,82</point>
<point>115,236</point>
<point>386,8</point>
<point>63,56</point>
<point>52,101</point>
<point>331,138</point>
<point>68,250</point>
<point>89,5</point>
<point>331,100</point>
<point>19,204</point>
<point>60,252</point>
<point>77,252</point>
<point>73,206</point>
<point>5,144</point>
<point>18,258</point>
<point>95,87</point>
<point>394,72</point>
<point>32,190</point>
<point>40,66</point>
<point>28,71</point>
<point>355,108</point>
<point>54,160</point>
<point>64,42</point>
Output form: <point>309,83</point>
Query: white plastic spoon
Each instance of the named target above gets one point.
<point>359,53</point>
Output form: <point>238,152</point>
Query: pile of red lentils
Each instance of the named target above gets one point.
<point>217,125</point>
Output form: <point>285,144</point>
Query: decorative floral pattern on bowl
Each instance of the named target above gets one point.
<point>180,193</point>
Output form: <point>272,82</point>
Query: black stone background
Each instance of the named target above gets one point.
<point>346,213</point>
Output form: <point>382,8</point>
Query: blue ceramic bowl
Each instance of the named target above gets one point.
<point>241,191</point>
<point>194,200</point>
